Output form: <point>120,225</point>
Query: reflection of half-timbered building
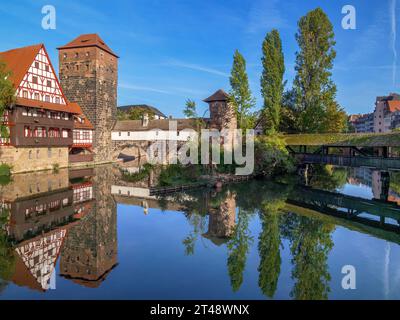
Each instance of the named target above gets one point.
<point>41,122</point>
<point>36,260</point>
<point>42,207</point>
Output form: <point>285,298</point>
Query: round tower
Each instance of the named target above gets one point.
<point>222,113</point>
<point>88,72</point>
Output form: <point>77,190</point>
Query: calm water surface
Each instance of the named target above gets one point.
<point>87,234</point>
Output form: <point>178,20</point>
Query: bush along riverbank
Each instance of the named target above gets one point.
<point>271,159</point>
<point>5,174</point>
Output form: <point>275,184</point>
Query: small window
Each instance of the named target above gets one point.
<point>37,154</point>
<point>76,55</point>
<point>30,154</point>
<point>37,65</point>
<point>37,96</point>
<point>49,83</point>
<point>87,54</point>
<point>49,152</point>
<point>57,99</point>
<point>25,94</point>
<point>47,99</point>
<point>119,133</point>
<point>77,67</point>
<point>65,56</point>
<point>47,68</point>
<point>34,79</point>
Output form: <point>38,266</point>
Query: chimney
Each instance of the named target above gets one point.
<point>145,120</point>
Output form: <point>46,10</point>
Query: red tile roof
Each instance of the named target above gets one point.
<point>85,123</point>
<point>394,105</point>
<point>219,95</point>
<point>69,107</point>
<point>19,60</point>
<point>88,40</point>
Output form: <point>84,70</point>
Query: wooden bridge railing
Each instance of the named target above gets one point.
<point>348,161</point>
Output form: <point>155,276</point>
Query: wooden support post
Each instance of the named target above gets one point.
<point>385,185</point>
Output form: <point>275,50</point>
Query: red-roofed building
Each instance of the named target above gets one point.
<point>384,110</point>
<point>41,122</point>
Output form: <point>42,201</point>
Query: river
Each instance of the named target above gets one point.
<point>88,234</point>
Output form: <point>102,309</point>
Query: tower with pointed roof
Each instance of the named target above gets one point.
<point>222,113</point>
<point>88,72</point>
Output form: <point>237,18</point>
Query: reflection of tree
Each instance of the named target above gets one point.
<point>198,223</point>
<point>269,247</point>
<point>311,244</point>
<point>7,258</point>
<point>328,177</point>
<point>238,248</point>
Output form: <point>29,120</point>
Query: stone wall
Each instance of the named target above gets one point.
<point>89,77</point>
<point>35,183</point>
<point>33,158</point>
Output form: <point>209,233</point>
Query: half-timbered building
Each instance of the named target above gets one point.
<point>40,124</point>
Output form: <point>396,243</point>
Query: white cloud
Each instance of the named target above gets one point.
<point>196,67</point>
<point>265,15</point>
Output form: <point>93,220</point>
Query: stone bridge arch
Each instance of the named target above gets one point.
<point>138,149</point>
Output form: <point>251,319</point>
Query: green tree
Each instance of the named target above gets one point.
<point>288,113</point>
<point>7,94</point>
<point>190,109</point>
<point>315,90</point>
<point>336,119</point>
<point>240,93</point>
<point>272,83</point>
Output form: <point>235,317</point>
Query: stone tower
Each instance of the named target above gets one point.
<point>88,72</point>
<point>222,113</point>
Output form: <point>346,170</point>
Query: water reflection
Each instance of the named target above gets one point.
<point>69,219</point>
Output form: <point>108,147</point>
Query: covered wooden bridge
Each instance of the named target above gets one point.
<point>378,151</point>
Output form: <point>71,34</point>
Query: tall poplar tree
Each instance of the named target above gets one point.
<point>272,84</point>
<point>240,93</point>
<point>315,90</point>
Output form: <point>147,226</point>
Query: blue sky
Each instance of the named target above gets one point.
<point>171,50</point>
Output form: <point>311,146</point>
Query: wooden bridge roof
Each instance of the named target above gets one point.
<point>344,140</point>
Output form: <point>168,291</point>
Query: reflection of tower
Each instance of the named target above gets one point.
<point>90,249</point>
<point>222,220</point>
<point>381,185</point>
